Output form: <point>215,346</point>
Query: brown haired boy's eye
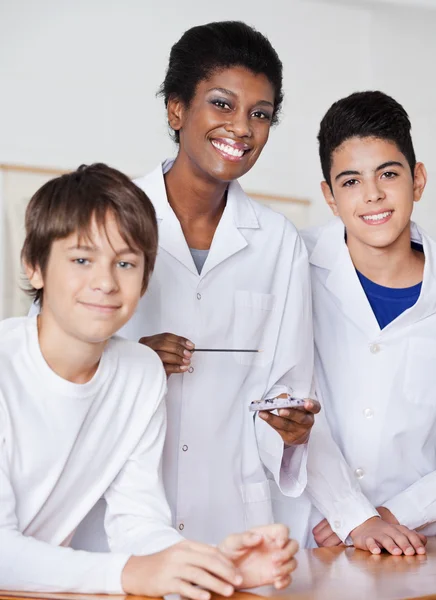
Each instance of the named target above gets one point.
<point>125,265</point>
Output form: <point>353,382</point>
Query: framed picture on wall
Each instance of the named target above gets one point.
<point>294,209</point>
<point>17,185</point>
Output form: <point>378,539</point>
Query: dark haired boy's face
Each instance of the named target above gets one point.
<point>373,191</point>
<point>91,286</point>
<point>227,124</point>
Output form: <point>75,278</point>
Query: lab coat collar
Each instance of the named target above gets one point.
<point>238,214</point>
<point>331,253</point>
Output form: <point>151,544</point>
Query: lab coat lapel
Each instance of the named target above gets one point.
<point>171,238</point>
<point>228,239</point>
<point>426,303</point>
<point>331,253</point>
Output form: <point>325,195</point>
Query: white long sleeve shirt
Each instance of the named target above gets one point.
<point>253,292</point>
<point>378,387</point>
<point>62,447</point>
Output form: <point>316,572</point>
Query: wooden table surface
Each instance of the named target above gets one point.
<point>332,573</point>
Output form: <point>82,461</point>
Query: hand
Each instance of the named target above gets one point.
<point>174,351</point>
<point>178,570</point>
<point>293,424</point>
<point>325,536</point>
<point>375,534</point>
<point>263,555</point>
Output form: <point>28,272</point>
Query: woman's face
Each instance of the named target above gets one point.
<point>227,124</point>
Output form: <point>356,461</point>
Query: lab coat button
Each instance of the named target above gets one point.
<point>191,370</point>
<point>374,348</point>
<point>184,447</point>
<point>198,296</point>
<point>368,412</point>
<point>181,527</point>
<point>359,473</point>
<point>337,524</point>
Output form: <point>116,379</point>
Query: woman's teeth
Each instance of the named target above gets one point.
<point>230,150</point>
<point>378,217</point>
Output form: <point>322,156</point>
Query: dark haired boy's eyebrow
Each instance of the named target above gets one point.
<point>347,174</point>
<point>230,93</point>
<point>389,163</point>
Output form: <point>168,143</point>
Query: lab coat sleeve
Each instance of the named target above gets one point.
<point>416,505</point>
<point>31,565</point>
<point>292,366</point>
<point>332,486</point>
<point>138,518</point>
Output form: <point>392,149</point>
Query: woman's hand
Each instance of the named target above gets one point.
<point>174,351</point>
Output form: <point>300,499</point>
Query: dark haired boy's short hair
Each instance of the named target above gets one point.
<point>70,204</point>
<point>205,49</point>
<point>364,114</point>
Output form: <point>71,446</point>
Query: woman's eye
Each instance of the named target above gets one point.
<point>220,104</point>
<point>81,261</point>
<point>350,182</point>
<point>259,114</point>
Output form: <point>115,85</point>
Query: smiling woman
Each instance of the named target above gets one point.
<point>231,274</point>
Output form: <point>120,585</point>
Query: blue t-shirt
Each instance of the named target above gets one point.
<point>388,303</point>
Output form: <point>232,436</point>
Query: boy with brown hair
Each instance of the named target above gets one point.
<point>82,414</point>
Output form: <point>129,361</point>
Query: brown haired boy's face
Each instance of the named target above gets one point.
<point>91,286</point>
<point>373,191</point>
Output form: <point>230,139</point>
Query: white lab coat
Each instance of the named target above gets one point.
<point>253,292</point>
<point>378,388</point>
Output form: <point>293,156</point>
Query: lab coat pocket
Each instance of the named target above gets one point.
<point>257,504</point>
<point>253,311</point>
<point>420,372</point>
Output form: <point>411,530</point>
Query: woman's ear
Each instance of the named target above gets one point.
<point>175,113</point>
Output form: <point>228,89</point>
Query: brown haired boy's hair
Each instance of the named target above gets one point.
<point>70,203</point>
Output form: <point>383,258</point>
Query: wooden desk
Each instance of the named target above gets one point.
<point>333,574</point>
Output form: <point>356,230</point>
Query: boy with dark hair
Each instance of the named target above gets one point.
<point>82,414</point>
<point>374,300</point>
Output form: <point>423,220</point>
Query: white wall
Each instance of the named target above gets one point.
<point>78,79</point>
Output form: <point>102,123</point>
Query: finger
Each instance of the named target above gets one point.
<point>239,541</point>
<point>403,541</point>
<point>286,553</point>
<point>372,546</point>
<point>280,584</point>
<point>174,350</point>
<point>201,550</point>
<point>332,540</point>
<point>415,541</point>
<point>285,569</point>
<point>171,369</point>
<point>389,544</point>
<point>177,339</point>
<point>312,406</point>
<point>216,563</point>
<point>187,590</point>
<point>297,415</point>
<point>277,534</point>
<point>320,526</point>
<point>323,533</point>
<point>282,424</point>
<point>198,576</point>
